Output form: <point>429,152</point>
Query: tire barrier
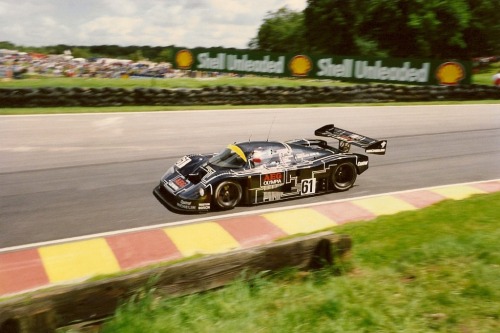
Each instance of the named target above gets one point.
<point>232,95</point>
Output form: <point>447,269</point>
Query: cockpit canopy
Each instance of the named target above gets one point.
<point>265,154</point>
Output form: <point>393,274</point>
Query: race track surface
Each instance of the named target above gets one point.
<point>72,175</point>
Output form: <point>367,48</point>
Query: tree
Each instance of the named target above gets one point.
<point>166,55</point>
<point>386,23</point>
<point>80,52</point>
<point>7,45</point>
<point>332,26</point>
<point>396,28</point>
<point>282,31</point>
<point>404,28</point>
<point>136,55</point>
<point>482,36</point>
<point>439,28</point>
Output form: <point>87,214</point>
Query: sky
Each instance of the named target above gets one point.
<point>187,23</point>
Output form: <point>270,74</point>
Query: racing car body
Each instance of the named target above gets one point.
<point>257,172</point>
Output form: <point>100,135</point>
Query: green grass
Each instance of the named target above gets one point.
<point>111,109</point>
<point>130,83</point>
<point>485,75</point>
<point>433,270</point>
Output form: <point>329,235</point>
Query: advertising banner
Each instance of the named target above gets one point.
<point>342,68</point>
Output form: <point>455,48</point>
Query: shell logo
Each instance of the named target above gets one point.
<point>300,65</point>
<point>184,59</point>
<point>450,73</point>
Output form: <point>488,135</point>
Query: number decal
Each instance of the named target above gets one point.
<point>182,162</point>
<point>308,186</point>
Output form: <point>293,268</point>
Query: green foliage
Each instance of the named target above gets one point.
<point>459,29</point>
<point>437,269</point>
<point>332,26</point>
<point>282,31</point>
<point>136,56</point>
<point>157,53</point>
<point>485,75</point>
<point>166,55</point>
<point>79,52</point>
<point>7,45</point>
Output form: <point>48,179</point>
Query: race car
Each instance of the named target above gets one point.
<point>256,172</point>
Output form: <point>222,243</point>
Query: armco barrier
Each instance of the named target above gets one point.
<point>232,95</point>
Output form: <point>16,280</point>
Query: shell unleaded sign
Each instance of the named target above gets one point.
<point>344,68</point>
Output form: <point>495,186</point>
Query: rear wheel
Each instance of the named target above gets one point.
<point>344,176</point>
<point>227,194</point>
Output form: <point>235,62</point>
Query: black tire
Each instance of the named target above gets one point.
<point>343,176</point>
<point>227,195</point>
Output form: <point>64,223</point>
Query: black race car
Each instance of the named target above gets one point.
<point>256,172</point>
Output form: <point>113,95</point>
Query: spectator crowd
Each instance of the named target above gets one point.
<point>14,64</point>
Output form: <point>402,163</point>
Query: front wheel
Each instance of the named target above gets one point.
<point>344,176</point>
<point>227,195</point>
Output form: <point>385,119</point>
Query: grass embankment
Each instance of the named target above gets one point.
<point>433,270</point>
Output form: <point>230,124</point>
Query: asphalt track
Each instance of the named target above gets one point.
<point>66,176</point>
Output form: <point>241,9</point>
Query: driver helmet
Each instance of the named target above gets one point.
<point>257,157</point>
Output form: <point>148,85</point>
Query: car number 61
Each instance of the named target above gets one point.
<point>308,186</point>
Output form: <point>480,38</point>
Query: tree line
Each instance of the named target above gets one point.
<point>460,29</point>
<point>133,52</point>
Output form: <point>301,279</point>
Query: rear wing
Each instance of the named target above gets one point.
<point>346,138</point>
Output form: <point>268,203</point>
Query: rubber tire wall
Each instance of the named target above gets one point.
<point>231,95</point>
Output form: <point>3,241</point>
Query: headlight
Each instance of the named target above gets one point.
<point>201,192</point>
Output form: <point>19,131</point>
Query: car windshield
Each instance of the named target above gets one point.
<point>231,157</point>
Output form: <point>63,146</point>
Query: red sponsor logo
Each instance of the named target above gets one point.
<point>180,182</point>
<point>272,178</point>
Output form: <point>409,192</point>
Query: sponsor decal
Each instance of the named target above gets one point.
<point>272,196</point>
<point>186,206</point>
<point>272,179</point>
<point>204,206</point>
<point>402,74</point>
<point>361,69</point>
<point>179,182</point>
<point>184,59</point>
<point>300,65</point>
<point>172,185</point>
<point>259,66</point>
<point>375,150</point>
<point>321,66</point>
<point>183,162</point>
<point>450,73</point>
<point>242,63</point>
<point>362,163</point>
<point>328,69</point>
<point>306,155</point>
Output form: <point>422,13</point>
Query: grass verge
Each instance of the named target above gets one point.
<point>193,83</point>
<point>113,109</point>
<point>433,270</point>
